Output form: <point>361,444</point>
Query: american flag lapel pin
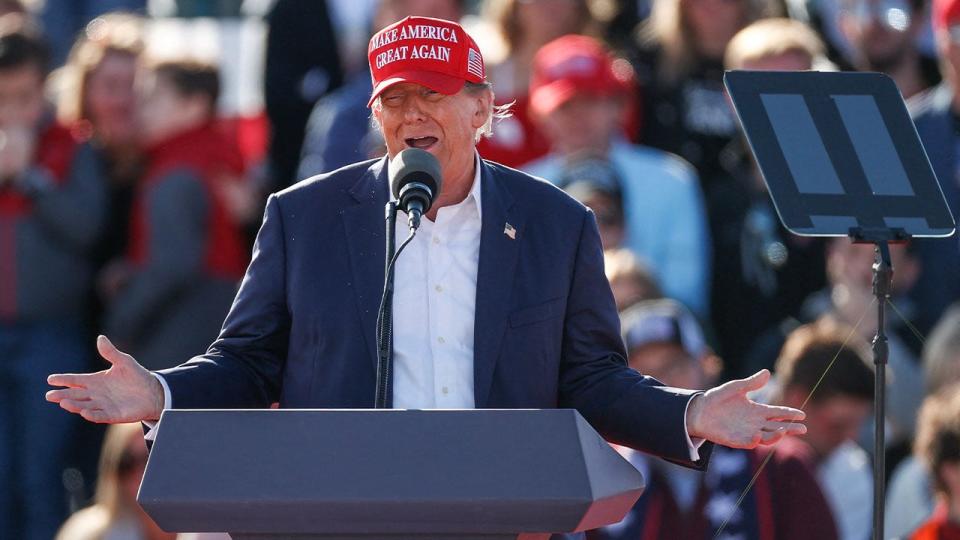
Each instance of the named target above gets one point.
<point>510,231</point>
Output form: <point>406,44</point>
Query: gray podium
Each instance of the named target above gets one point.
<point>385,474</point>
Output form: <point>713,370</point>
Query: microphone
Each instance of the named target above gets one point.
<point>415,182</point>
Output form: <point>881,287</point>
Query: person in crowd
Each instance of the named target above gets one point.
<point>301,328</point>
<point>761,272</point>
<point>883,34</point>
<point>679,63</point>
<point>938,446</point>
<point>630,278</point>
<point>665,341</point>
<point>339,131</point>
<point>578,96</point>
<point>168,295</point>
<point>596,184</point>
<point>115,513</point>
<point>935,114</point>
<point>825,368</point>
<point>303,63</point>
<point>910,495</point>
<point>51,212</point>
<point>96,98</point>
<point>525,27</point>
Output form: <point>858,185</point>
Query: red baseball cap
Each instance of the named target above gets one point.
<point>945,13</point>
<point>573,65</point>
<point>431,52</point>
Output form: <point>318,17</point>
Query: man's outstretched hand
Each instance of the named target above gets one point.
<point>726,416</point>
<point>126,392</point>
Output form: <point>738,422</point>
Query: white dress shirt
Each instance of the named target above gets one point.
<point>435,293</point>
<point>435,282</point>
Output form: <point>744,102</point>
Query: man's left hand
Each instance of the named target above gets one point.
<point>726,416</point>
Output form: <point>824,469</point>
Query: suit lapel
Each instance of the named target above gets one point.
<point>495,277</point>
<point>364,226</point>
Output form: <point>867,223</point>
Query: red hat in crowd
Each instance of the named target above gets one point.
<point>573,65</point>
<point>946,13</point>
<point>431,52</point>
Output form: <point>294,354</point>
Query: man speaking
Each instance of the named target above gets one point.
<point>500,301</point>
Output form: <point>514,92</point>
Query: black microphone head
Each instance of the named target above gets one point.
<point>415,166</point>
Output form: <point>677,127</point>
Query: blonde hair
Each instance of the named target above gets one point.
<point>668,28</point>
<point>113,33</point>
<point>109,505</point>
<point>768,38</point>
<point>622,264</point>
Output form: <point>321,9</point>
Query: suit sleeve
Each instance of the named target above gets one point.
<point>625,407</point>
<point>244,366</point>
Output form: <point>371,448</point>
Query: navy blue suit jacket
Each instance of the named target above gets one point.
<point>301,329</point>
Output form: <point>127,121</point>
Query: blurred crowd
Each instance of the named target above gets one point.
<point>129,196</point>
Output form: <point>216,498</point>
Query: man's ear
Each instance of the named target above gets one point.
<point>483,103</point>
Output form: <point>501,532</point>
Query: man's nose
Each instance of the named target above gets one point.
<point>413,109</point>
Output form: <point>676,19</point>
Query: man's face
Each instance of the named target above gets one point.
<point>609,216</point>
<point>881,31</point>
<point>584,123</point>
<point>21,96</point>
<point>413,116</point>
<point>833,421</point>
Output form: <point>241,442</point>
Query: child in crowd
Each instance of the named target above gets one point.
<point>51,210</point>
<point>186,253</point>
<point>938,445</point>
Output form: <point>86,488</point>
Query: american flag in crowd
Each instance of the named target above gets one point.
<point>474,63</point>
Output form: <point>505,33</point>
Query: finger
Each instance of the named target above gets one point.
<point>790,428</point>
<point>109,351</point>
<point>772,437</point>
<point>73,406</point>
<point>751,383</point>
<point>74,394</point>
<point>73,380</point>
<point>790,414</point>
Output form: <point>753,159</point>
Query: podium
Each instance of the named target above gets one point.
<point>385,474</point>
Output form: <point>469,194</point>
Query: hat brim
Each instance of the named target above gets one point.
<point>438,82</point>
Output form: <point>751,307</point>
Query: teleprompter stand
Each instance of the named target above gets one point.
<point>384,474</point>
<point>841,157</point>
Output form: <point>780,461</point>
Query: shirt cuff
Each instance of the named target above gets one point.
<point>167,400</point>
<point>693,444</point>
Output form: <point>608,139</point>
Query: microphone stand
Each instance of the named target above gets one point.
<point>882,279</point>
<point>385,316</point>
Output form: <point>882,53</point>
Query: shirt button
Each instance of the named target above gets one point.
<point>438,288</point>
<point>436,240</point>
<point>441,340</point>
<point>445,390</point>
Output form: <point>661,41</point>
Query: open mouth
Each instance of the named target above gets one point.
<point>422,143</point>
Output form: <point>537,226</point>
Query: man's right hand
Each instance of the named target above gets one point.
<point>127,392</point>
